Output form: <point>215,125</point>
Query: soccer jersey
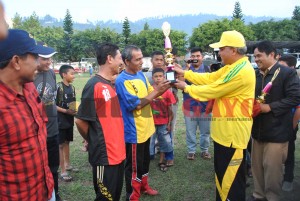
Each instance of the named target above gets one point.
<point>139,124</point>
<point>101,109</point>
<point>65,98</point>
<point>160,107</point>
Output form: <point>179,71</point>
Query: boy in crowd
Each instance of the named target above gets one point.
<point>163,115</point>
<point>66,107</point>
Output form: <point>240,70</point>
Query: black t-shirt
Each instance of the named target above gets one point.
<point>65,96</point>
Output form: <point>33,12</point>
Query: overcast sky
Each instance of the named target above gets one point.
<point>104,10</point>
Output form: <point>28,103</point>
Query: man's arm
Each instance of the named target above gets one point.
<point>291,89</point>
<point>170,113</point>
<point>296,117</point>
<point>159,90</point>
<point>82,127</point>
<point>66,111</point>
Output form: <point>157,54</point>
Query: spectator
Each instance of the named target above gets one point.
<point>194,112</point>
<point>25,173</point>
<point>162,114</point>
<point>158,61</point>
<point>287,185</point>
<point>66,108</point>
<point>45,83</point>
<point>91,71</point>
<point>272,128</point>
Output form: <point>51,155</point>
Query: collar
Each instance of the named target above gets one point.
<point>271,70</point>
<point>200,67</point>
<point>9,93</point>
<point>231,66</point>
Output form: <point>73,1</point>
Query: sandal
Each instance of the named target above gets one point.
<point>162,167</point>
<point>191,156</point>
<point>66,177</point>
<point>169,163</point>
<point>71,168</point>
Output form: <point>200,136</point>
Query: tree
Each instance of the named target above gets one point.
<point>284,30</point>
<point>237,12</point>
<point>52,36</point>
<point>296,13</point>
<point>153,39</point>
<point>66,48</point>
<point>211,31</point>
<point>85,42</point>
<point>126,31</point>
<point>32,25</point>
<point>146,26</point>
<point>17,21</point>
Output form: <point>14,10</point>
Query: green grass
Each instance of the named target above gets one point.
<point>185,181</point>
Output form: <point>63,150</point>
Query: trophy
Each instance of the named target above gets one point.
<point>267,88</point>
<point>170,74</point>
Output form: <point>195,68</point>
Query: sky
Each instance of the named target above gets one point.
<point>117,10</point>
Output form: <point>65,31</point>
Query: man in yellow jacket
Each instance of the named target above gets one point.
<point>232,87</point>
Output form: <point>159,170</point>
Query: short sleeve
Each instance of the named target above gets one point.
<point>86,110</point>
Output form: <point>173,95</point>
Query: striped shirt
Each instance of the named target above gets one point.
<point>25,174</point>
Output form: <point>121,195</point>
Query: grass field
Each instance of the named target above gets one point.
<point>185,181</point>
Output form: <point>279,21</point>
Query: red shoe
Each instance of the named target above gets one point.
<point>150,191</point>
<point>145,188</point>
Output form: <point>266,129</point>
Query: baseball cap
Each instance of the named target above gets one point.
<point>50,52</point>
<point>19,42</point>
<point>231,39</point>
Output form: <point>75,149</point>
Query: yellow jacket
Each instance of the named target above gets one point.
<point>233,88</point>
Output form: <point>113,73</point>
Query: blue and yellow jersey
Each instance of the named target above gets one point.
<point>138,124</point>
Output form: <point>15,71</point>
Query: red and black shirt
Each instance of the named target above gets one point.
<point>101,109</point>
<point>24,171</point>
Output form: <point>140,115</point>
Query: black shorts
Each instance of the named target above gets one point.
<point>65,135</point>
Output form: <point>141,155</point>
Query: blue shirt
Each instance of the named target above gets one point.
<point>189,103</point>
<point>138,124</point>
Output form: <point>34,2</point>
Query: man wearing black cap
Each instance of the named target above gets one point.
<point>45,83</point>
<point>25,174</point>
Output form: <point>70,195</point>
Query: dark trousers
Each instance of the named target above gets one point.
<point>290,160</point>
<point>137,162</point>
<point>230,173</point>
<point>53,159</point>
<point>108,182</point>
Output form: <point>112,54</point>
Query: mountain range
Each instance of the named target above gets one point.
<point>184,23</point>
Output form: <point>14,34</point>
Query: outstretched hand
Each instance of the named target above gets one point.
<point>162,87</point>
<point>180,84</point>
<point>178,69</point>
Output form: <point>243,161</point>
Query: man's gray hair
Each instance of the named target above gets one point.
<point>242,50</point>
<point>127,52</point>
